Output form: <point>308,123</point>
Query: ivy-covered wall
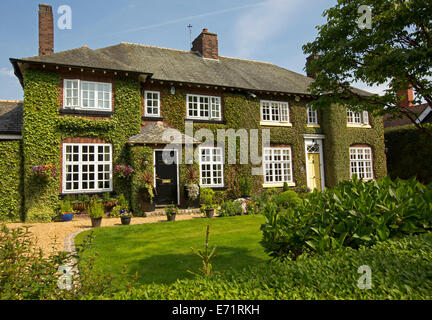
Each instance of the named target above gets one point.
<point>44,128</point>
<point>339,138</point>
<point>11,187</point>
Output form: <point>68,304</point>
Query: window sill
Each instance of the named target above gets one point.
<point>277,185</point>
<point>215,188</point>
<point>87,112</point>
<point>205,121</point>
<point>354,125</point>
<point>313,126</point>
<point>64,193</point>
<point>275,124</point>
<point>147,118</point>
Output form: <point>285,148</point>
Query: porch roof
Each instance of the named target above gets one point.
<point>160,133</point>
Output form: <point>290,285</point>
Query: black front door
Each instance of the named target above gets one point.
<point>166,177</point>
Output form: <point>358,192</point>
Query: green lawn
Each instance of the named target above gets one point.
<point>161,252</point>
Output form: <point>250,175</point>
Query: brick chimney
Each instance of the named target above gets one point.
<point>406,97</point>
<point>206,44</point>
<point>46,30</point>
<point>308,60</point>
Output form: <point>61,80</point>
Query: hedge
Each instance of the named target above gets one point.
<point>401,269</point>
<point>409,153</point>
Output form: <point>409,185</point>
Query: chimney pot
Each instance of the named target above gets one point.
<point>46,30</point>
<point>206,44</point>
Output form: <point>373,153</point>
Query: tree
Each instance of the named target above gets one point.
<point>396,48</point>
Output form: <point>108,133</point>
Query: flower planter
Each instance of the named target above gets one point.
<point>171,217</point>
<point>210,212</point>
<point>96,222</point>
<point>125,220</point>
<point>66,216</point>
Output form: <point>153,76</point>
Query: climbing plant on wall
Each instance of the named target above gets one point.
<point>11,187</point>
<point>44,129</point>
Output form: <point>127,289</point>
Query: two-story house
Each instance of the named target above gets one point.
<point>86,111</point>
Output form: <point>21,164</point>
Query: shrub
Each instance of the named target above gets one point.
<point>230,208</point>
<point>96,209</point>
<point>115,212</point>
<point>400,270</point>
<point>354,213</point>
<point>123,203</point>
<point>246,185</point>
<point>416,148</point>
<point>285,187</point>
<point>206,196</point>
<point>66,207</point>
<point>287,199</point>
<point>26,273</point>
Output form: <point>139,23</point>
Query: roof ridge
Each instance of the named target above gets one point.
<point>150,46</point>
<point>251,60</point>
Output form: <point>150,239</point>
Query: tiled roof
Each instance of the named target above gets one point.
<point>396,122</point>
<point>185,66</point>
<point>10,117</point>
<point>159,133</point>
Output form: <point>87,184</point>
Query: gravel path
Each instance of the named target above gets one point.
<point>51,235</point>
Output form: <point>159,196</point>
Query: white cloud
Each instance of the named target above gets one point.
<point>261,23</point>
<point>6,72</point>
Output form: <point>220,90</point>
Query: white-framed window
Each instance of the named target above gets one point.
<point>274,111</point>
<point>361,162</point>
<point>277,163</point>
<point>357,118</point>
<point>87,167</point>
<point>211,160</point>
<point>152,103</point>
<point>87,95</point>
<point>312,115</point>
<point>203,107</point>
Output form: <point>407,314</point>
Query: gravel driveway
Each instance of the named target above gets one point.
<point>51,235</point>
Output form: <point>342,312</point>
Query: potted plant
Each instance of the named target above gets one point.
<point>124,213</point>
<point>96,212</point>
<point>66,210</point>
<point>147,203</point>
<point>125,217</point>
<point>171,212</point>
<point>191,187</point>
<point>207,202</point>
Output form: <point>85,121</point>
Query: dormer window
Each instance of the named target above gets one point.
<point>87,95</point>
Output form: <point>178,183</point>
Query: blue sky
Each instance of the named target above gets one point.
<point>265,30</point>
